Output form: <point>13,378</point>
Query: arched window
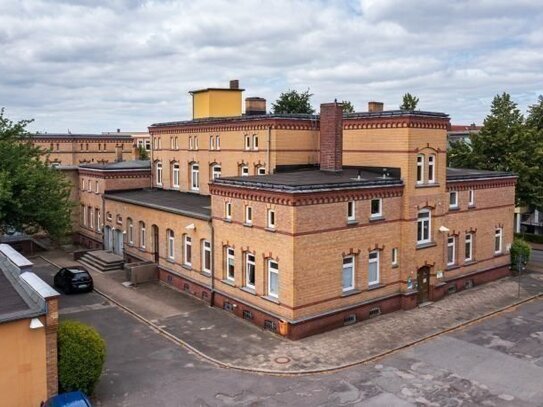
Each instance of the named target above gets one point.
<point>130,230</point>
<point>171,244</point>
<point>187,250</point>
<point>424,226</point>
<point>142,235</point>
<point>215,171</point>
<point>206,256</point>
<point>273,278</point>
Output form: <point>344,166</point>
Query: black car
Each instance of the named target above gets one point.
<point>73,279</point>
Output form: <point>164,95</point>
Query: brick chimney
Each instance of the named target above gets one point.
<point>255,106</point>
<point>331,137</point>
<point>375,107</point>
<point>234,84</point>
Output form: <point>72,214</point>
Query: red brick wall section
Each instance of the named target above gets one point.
<point>184,285</point>
<point>331,137</point>
<point>51,328</point>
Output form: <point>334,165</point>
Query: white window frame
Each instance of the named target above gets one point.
<point>250,263</point>
<point>247,143</point>
<point>217,143</point>
<point>159,173</point>
<point>471,197</point>
<point>498,240</point>
<point>394,256</point>
<point>453,203</point>
<point>255,142</point>
<point>89,185</point>
<point>420,168</point>
<point>451,250</point>
<point>96,188</point>
<point>196,142</point>
<point>248,215</point>
<point>468,242</point>
<point>191,146</point>
<point>175,175</point>
<point>420,225</point>
<point>230,261</point>
<point>143,235</point>
<point>130,231</point>
<point>187,250</point>
<point>91,217</point>
<point>273,270</point>
<point>195,177</point>
<point>171,244</point>
<point>351,211</point>
<point>214,172</point>
<point>271,220</point>
<point>432,169</point>
<point>380,212</point>
<point>176,143</point>
<point>261,170</point>
<point>98,220</point>
<point>371,261</point>
<point>206,248</point>
<point>344,268</point>
<point>228,210</point>
<point>212,142</point>
<point>244,170</point>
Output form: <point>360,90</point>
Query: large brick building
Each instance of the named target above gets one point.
<point>302,223</point>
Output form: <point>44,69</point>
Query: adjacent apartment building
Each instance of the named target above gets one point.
<point>303,223</point>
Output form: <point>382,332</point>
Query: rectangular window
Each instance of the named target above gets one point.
<point>188,251</point>
<point>351,211</point>
<point>250,270</point>
<point>348,273</point>
<point>216,171</point>
<point>376,205</point>
<point>98,221</point>
<point>244,171</point>
<point>394,256</point>
<point>159,174</point>
<point>217,143</point>
<point>468,256</point>
<point>373,268</point>
<point>230,264</point>
<point>420,169</point>
<point>89,185</point>
<point>228,210</point>
<point>195,142</point>
<point>261,171</point>
<point>195,177</point>
<point>175,176</point>
<point>255,142</point>
<point>247,143</point>
<point>191,146</point>
<point>142,235</point>
<point>453,199</point>
<point>498,236</point>
<point>212,143</point>
<point>431,169</point>
<point>206,256</point>
<point>171,245</point>
<point>248,215</point>
<point>471,197</point>
<point>91,216</point>
<point>96,188</point>
<point>130,232</point>
<point>273,279</point>
<point>451,250</point>
<point>423,227</point>
<point>271,219</point>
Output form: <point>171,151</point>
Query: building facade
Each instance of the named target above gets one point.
<point>302,223</point>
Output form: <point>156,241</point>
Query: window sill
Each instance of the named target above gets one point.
<point>248,290</point>
<point>352,222</point>
<point>374,286</point>
<point>421,246</point>
<point>227,220</point>
<point>469,262</point>
<point>171,261</point>
<point>451,267</point>
<point>142,249</point>
<point>248,225</point>
<point>471,207</point>
<point>206,273</point>
<point>269,298</point>
<point>229,282</point>
<point>187,266</point>
<point>379,218</point>
<point>432,185</point>
<point>350,292</point>
<point>498,254</point>
<point>453,208</point>
<point>272,230</point>
<point>395,266</point>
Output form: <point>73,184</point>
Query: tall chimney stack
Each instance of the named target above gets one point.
<point>331,137</point>
<point>255,106</point>
<point>234,84</point>
<point>375,107</point>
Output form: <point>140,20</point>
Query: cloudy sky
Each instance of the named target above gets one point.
<point>98,65</point>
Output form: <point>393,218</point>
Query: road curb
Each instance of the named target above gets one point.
<point>368,359</point>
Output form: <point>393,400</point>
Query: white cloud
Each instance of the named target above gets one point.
<point>101,65</point>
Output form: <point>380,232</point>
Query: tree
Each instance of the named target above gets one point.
<point>535,115</point>
<point>293,102</point>
<point>81,357</point>
<point>505,143</point>
<point>409,102</point>
<point>347,106</point>
<point>143,154</point>
<point>33,196</point>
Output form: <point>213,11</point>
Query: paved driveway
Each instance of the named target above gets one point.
<point>496,363</point>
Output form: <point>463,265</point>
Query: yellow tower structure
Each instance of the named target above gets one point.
<point>217,102</point>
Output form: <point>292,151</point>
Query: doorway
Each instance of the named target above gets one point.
<point>118,242</point>
<point>423,284</point>
<point>155,237</point>
<point>107,238</point>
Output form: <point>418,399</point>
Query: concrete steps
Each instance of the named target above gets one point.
<point>102,260</point>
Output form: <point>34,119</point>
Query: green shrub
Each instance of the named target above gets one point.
<point>519,248</point>
<point>530,237</point>
<point>81,356</point>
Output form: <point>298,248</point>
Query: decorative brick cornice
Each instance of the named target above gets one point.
<point>305,198</point>
<point>115,174</point>
<point>226,126</point>
<point>395,122</point>
<point>464,185</point>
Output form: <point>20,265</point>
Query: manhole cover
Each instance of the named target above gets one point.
<point>282,360</point>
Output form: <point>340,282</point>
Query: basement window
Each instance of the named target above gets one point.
<point>247,315</point>
<point>375,312</point>
<point>349,319</point>
<point>270,325</point>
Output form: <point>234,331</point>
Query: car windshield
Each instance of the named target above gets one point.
<point>79,274</point>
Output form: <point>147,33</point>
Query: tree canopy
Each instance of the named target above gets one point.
<point>409,102</point>
<point>33,196</point>
<point>293,101</point>
<point>507,142</point>
<point>348,107</point>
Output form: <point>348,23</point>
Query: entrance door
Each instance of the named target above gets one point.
<point>423,284</point>
<point>118,242</point>
<point>107,238</point>
<point>155,243</point>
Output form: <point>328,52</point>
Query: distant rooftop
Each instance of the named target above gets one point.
<point>460,174</point>
<point>346,116</point>
<point>119,165</point>
<point>82,136</point>
<point>183,203</point>
<point>316,180</point>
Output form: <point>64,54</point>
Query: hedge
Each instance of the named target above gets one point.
<point>530,237</point>
<point>519,248</point>
<point>81,356</point>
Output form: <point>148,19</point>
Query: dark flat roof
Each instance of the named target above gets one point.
<point>314,180</point>
<point>184,203</point>
<point>461,174</point>
<point>297,116</point>
<point>11,302</point>
<point>120,165</point>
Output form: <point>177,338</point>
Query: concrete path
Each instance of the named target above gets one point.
<point>232,342</point>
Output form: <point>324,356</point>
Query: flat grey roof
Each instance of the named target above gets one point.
<point>119,165</point>
<point>183,203</point>
<point>11,302</point>
<point>460,174</point>
<point>314,180</point>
